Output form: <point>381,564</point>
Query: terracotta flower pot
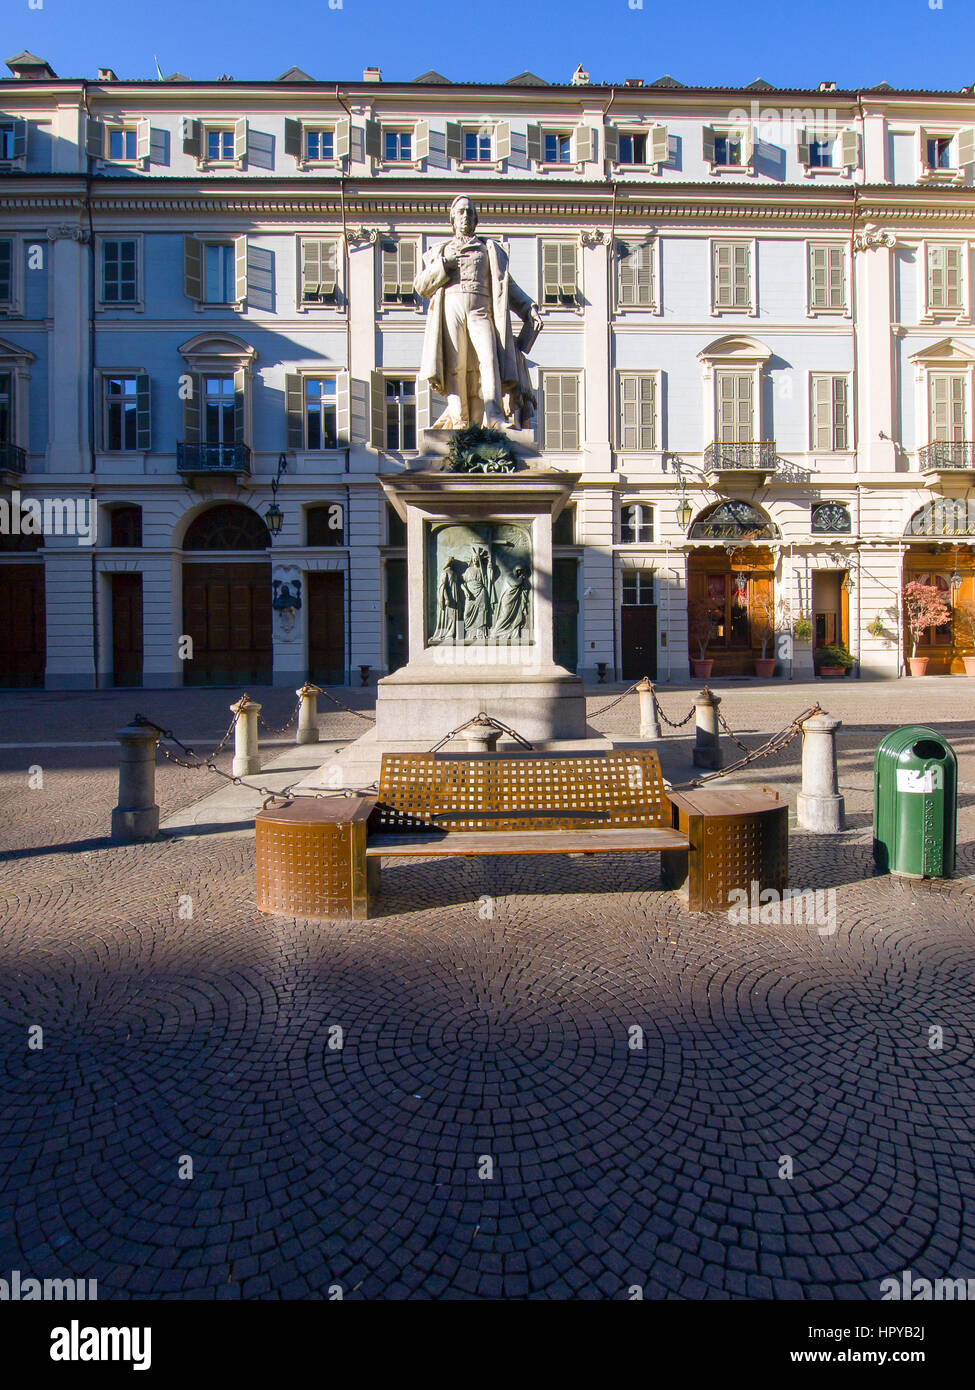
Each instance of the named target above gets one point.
<point>832,672</point>
<point>703,666</point>
<point>765,666</point>
<point>918,665</point>
<point>969,665</point>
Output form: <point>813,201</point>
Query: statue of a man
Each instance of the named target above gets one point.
<point>469,351</point>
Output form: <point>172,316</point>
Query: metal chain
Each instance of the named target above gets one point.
<point>730,732</point>
<point>613,703</point>
<point>482,719</point>
<point>775,744</point>
<point>294,715</point>
<point>369,718</point>
<point>681,722</point>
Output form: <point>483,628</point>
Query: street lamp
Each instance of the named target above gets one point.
<point>684,512</point>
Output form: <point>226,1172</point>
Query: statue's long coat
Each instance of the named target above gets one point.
<point>505,296</point>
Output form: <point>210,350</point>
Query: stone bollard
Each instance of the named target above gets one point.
<point>481,736</point>
<point>819,805</point>
<point>308,713</point>
<point>136,817</point>
<point>246,759</point>
<point>707,750</point>
<point>649,718</point>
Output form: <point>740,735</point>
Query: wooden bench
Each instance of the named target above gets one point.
<point>432,804</point>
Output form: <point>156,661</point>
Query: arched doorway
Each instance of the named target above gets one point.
<point>227,601</point>
<point>730,582</point>
<point>942,553</point>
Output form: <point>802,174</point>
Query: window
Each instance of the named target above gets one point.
<point>631,148</point>
<point>636,281</point>
<point>830,518</point>
<point>564,527</point>
<point>6,408</point>
<point>638,587</point>
<point>395,527</point>
<point>827,277</point>
<point>219,145</point>
<point>734,407</point>
<point>557,147</point>
<point>123,143</point>
<point>125,421</point>
<point>734,520</point>
<point>638,411</point>
<point>398,266</point>
<point>218,410</point>
<point>560,402</point>
<point>481,144</point>
<point>820,154</point>
<point>400,419</point>
<point>731,276</point>
<point>13,139</point>
<point>938,151</point>
<point>6,272</point>
<point>321,412</point>
<point>477,147</point>
<point>120,274</point>
<point>398,146</point>
<point>325,524</point>
<point>319,144</point>
<point>559,273</point>
<point>636,524</point>
<point>319,270</point>
<point>829,415</point>
<point>125,527</point>
<point>946,279</point>
<point>947,407</point>
<point>218,272</point>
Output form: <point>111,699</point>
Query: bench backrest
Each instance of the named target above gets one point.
<point>424,791</point>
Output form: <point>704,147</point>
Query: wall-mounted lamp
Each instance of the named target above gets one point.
<point>273,515</point>
<point>588,593</point>
<point>848,583</point>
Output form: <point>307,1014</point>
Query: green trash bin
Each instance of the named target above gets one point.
<point>915,803</point>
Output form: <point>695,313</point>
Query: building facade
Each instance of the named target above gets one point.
<point>758,354</point>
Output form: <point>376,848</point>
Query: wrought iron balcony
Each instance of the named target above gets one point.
<point>13,459</point>
<point>944,454</point>
<point>213,458</point>
<point>746,454</point>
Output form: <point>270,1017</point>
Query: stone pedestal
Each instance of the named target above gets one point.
<point>136,817</point>
<point>819,805</point>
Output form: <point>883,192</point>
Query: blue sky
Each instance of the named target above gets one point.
<point>701,42</point>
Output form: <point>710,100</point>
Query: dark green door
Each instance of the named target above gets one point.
<point>565,612</point>
<point>397,615</point>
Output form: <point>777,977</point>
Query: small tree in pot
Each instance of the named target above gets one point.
<point>702,629</point>
<point>763,627</point>
<point>925,607</point>
<point>965,633</point>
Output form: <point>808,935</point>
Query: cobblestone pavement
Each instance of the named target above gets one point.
<point>485,1015</point>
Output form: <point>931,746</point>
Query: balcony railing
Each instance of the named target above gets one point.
<point>745,454</point>
<point>13,459</point>
<point>948,453</point>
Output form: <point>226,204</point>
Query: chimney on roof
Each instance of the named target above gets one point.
<point>107,75</point>
<point>372,75</point>
<point>28,65</point>
<point>827,86</point>
<point>633,82</point>
<point>580,78</point>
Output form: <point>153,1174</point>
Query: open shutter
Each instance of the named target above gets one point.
<point>377,410</point>
<point>423,404</point>
<point>240,141</point>
<point>802,147</point>
<point>19,137</point>
<point>568,271</point>
<point>193,269</point>
<point>502,140</point>
<point>342,138</point>
<point>849,143</point>
<point>311,268</point>
<point>659,145</point>
<point>966,148</point>
<point>421,140</point>
<point>374,140</point>
<point>95,139</point>
<point>143,139</point>
<point>192,410</point>
<point>533,143</point>
<point>343,411</point>
<point>550,270</point>
<point>240,269</point>
<point>292,138</point>
<point>240,387</point>
<point>390,271</point>
<point>143,413</point>
<point>454,141</point>
<point>707,135</point>
<point>611,144</point>
<point>192,134</point>
<point>294,411</point>
<point>582,144</point>
<point>407,269</point>
<point>747,145</point>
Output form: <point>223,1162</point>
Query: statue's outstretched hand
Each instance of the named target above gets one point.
<point>535,318</point>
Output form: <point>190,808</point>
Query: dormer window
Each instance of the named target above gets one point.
<point>123,143</point>
<point>727,151</point>
<point>319,144</point>
<point>632,148</point>
<point>557,147</point>
<point>398,146</point>
<point>728,147</point>
<point>939,152</point>
<point>220,145</point>
<point>477,147</point>
<point>820,154</point>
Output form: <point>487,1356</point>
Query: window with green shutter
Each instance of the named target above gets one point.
<point>560,273</point>
<point>947,413</point>
<point>636,274</point>
<point>735,407</point>
<point>827,276</point>
<point>945,278</point>
<point>829,413</point>
<point>398,266</point>
<point>6,272</point>
<point>731,285</point>
<point>560,410</point>
<point>319,270</point>
<point>638,411</point>
<point>125,413</point>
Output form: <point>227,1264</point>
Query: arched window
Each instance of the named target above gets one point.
<point>733,520</point>
<point>947,516</point>
<point>229,526</point>
<point>125,526</point>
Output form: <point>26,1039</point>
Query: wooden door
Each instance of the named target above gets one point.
<point>638,636</point>
<point>326,627</point>
<point>126,629</point>
<point>227,613</point>
<point>23,650</point>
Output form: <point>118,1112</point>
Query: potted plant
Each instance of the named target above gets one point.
<point>763,626</point>
<point>925,607</point>
<point>702,628</point>
<point>833,660</point>
<point>802,628</point>
<point>876,627</point>
<point>965,630</point>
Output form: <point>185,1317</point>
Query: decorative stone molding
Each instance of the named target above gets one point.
<point>594,236</point>
<point>68,233</point>
<point>370,235</point>
<point>871,238</point>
